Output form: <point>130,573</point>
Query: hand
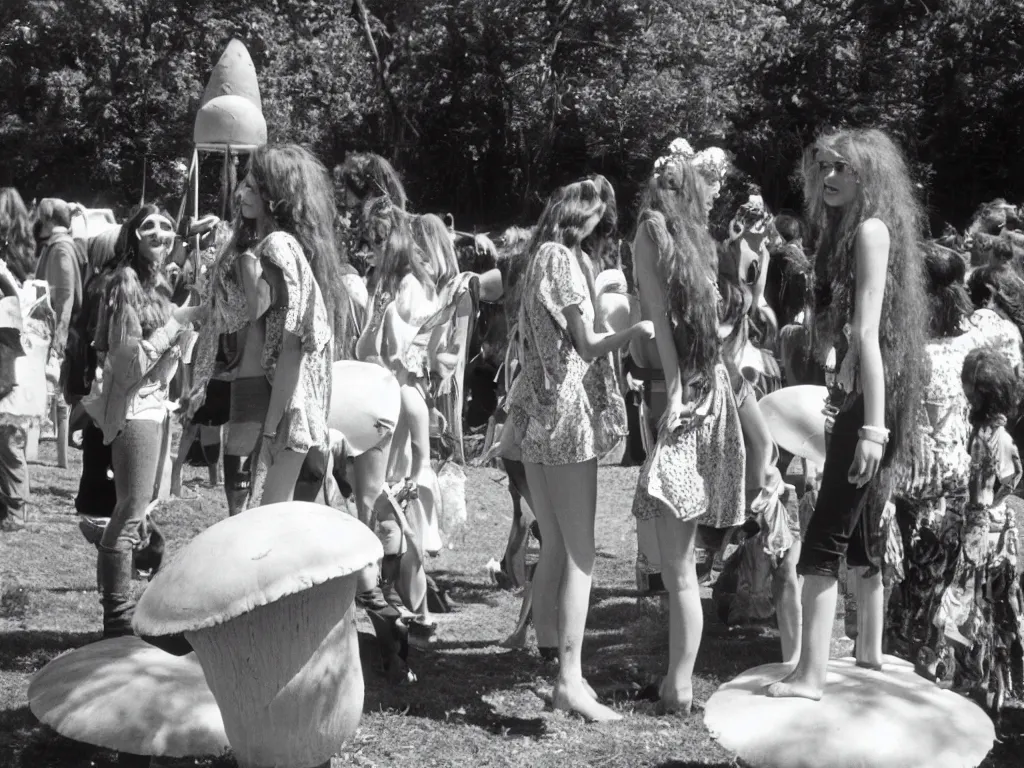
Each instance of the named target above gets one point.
<point>644,330</point>
<point>677,414</point>
<point>866,461</point>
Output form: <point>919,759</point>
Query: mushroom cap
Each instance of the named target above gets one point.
<point>126,695</point>
<point>889,719</point>
<point>796,421</point>
<point>251,560</point>
<point>365,403</point>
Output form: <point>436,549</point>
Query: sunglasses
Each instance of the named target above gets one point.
<point>839,166</point>
<point>155,225</point>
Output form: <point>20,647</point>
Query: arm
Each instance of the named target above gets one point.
<point>591,344</point>
<point>652,288</point>
<point>61,275</point>
<point>286,379</point>
<point>871,253</point>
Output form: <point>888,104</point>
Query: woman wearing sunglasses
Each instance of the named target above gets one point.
<point>871,316</point>
<point>140,340</point>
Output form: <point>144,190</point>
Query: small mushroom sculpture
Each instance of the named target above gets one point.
<point>266,599</point>
<point>126,695</point>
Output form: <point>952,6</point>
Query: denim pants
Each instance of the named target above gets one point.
<point>14,488</point>
<point>136,461</point>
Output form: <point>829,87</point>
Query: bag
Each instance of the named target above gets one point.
<point>80,359</point>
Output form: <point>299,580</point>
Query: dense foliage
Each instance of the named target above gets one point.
<point>485,105</point>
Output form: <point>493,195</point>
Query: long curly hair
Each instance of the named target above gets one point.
<point>367,175</point>
<point>995,389</point>
<point>138,285</point>
<point>296,188</point>
<point>1000,284</point>
<point>565,221</point>
<point>17,245</point>
<point>673,213</point>
<point>949,302</point>
<point>435,243</point>
<point>886,192</point>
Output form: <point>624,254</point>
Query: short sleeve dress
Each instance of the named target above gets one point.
<point>302,313</point>
<point>563,409</point>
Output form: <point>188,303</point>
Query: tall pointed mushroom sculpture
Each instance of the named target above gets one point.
<point>266,599</point>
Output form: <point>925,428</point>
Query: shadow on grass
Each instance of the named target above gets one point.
<point>56,492</point>
<point>454,686</point>
<point>461,590</point>
<point>28,651</point>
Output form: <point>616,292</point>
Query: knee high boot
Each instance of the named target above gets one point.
<point>236,483</point>
<point>113,580</point>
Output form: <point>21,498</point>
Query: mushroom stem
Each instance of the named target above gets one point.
<point>287,676</point>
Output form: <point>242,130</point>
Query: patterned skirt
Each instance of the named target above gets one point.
<point>697,472</point>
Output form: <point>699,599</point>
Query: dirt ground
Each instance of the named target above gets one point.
<point>475,703</point>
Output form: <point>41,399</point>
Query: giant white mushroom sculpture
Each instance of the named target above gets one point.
<point>266,599</point>
<point>126,695</point>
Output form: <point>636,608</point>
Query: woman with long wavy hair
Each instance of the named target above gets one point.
<point>694,473</point>
<point>139,336</point>
<point>276,285</point>
<point>871,316</point>
<point>565,411</point>
<point>17,245</point>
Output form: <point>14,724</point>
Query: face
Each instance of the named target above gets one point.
<point>838,178</point>
<point>250,201</point>
<point>156,237</point>
<point>711,190</point>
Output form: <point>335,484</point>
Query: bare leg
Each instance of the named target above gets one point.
<point>188,434</point>
<point>757,440</point>
<point>807,681</point>
<point>211,436</point>
<point>685,616</point>
<point>869,619</point>
<point>518,638</point>
<point>547,578</point>
<point>572,494</point>
<point>282,475</point>
<point>514,561</point>
<point>368,478</point>
<point>786,590</point>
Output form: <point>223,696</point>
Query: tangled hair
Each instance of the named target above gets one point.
<point>595,244</point>
<point>297,191</point>
<point>138,285</point>
<point>399,257</point>
<point>885,191</point>
<point>513,256</point>
<point>947,293</point>
<point>55,211</point>
<point>367,175</point>
<point>566,220</point>
<point>993,217</point>
<point>995,390</point>
<point>102,248</point>
<point>435,243</point>
<point>789,226</point>
<point>17,245</point>
<point>672,209</point>
<point>789,283</point>
<point>1003,287</point>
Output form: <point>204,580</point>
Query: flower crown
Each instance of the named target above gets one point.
<point>712,162</point>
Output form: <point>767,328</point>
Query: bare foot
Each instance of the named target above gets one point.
<point>867,660</point>
<point>794,688</point>
<point>674,701</point>
<point>517,639</point>
<point>575,698</point>
<point>589,689</point>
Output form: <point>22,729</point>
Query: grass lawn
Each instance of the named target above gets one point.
<point>475,704</point>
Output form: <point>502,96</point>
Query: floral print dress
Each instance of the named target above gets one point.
<point>301,312</point>
<point>563,410</point>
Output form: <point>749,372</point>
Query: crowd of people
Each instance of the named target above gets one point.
<point>918,342</point>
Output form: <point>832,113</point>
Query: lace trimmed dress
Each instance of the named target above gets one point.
<point>302,313</point>
<point>562,409</point>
